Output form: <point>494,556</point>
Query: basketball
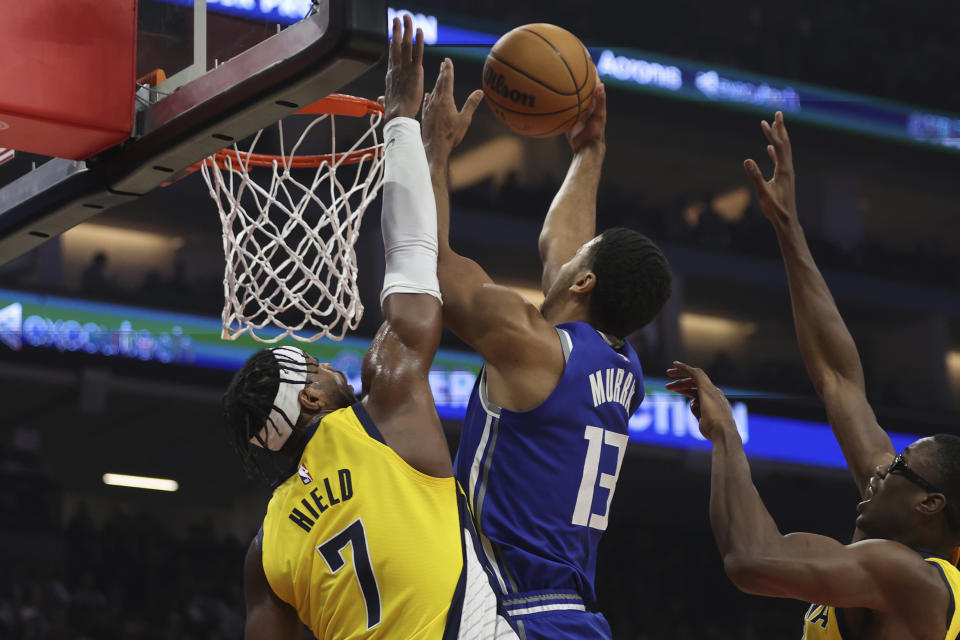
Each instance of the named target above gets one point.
<point>539,80</point>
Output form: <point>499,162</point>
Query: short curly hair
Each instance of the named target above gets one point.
<point>633,281</point>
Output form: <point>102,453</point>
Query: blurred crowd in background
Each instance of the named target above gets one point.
<point>132,579</point>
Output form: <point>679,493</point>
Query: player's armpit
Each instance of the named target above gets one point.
<point>396,382</point>
<point>268,617</point>
<point>865,444</point>
<point>497,322</point>
<point>881,575</point>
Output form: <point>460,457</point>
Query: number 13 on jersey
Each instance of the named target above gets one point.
<point>597,438</point>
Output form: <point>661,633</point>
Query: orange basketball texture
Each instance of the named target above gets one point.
<point>539,80</point>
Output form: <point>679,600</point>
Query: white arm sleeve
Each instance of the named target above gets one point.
<point>409,215</point>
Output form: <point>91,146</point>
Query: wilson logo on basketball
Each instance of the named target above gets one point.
<point>496,84</point>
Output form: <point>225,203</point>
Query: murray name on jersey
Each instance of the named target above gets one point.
<point>613,385</point>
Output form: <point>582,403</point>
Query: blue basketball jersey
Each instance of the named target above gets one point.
<point>541,481</point>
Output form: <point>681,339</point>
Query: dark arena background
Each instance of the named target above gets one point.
<point>111,360</point>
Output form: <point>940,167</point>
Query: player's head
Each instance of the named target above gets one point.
<point>277,393</point>
<point>917,495</point>
<point>622,274</point>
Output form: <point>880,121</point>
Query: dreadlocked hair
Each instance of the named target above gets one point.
<point>948,475</point>
<point>633,281</point>
<point>247,404</point>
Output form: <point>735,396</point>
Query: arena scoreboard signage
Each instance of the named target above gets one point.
<point>32,321</point>
<point>633,69</point>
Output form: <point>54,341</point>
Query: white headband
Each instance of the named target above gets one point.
<point>286,406</point>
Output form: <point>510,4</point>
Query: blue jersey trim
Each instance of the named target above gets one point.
<point>491,409</point>
<point>566,343</point>
<point>479,493</point>
<point>367,422</point>
<point>455,612</point>
<point>841,623</point>
<point>953,604</point>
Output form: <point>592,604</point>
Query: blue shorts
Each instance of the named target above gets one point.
<point>563,625</point>
<point>554,615</point>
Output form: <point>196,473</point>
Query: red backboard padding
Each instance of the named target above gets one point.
<point>67,78</point>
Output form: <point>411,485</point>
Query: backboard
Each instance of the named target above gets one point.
<point>230,67</point>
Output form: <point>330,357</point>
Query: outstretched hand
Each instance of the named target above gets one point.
<point>443,124</point>
<point>404,71</point>
<point>777,196</point>
<point>592,129</point>
<point>709,405</point>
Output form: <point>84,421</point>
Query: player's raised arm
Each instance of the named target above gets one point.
<point>396,369</point>
<point>825,343</point>
<point>881,575</point>
<point>572,217</point>
<point>488,317</point>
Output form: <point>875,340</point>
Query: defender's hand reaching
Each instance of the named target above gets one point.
<point>443,124</point>
<point>777,196</point>
<point>709,405</point>
<point>404,72</point>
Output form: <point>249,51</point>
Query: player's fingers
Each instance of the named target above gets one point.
<point>444,84</point>
<point>693,393</point>
<point>756,176</point>
<point>701,378</point>
<point>782,129</point>
<point>418,48</point>
<point>776,135</point>
<point>685,387</point>
<point>767,131</point>
<point>470,106</point>
<point>772,152</point>
<point>448,65</point>
<point>406,43</point>
<point>395,39</point>
<point>772,137</point>
<point>601,101</point>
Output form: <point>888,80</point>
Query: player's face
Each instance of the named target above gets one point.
<point>566,277</point>
<point>889,506</point>
<point>333,383</point>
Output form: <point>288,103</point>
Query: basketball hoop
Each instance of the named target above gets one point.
<point>289,234</point>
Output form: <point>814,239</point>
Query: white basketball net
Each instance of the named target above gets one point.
<point>289,243</point>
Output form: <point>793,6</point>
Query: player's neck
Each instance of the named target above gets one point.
<point>567,311</point>
<point>297,442</point>
<point>927,544</point>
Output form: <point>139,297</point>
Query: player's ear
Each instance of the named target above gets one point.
<point>312,398</point>
<point>584,282</point>
<point>934,503</point>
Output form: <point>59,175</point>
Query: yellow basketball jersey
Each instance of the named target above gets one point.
<point>358,542</point>
<point>821,622</point>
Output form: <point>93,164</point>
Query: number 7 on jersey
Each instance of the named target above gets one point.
<point>331,552</point>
